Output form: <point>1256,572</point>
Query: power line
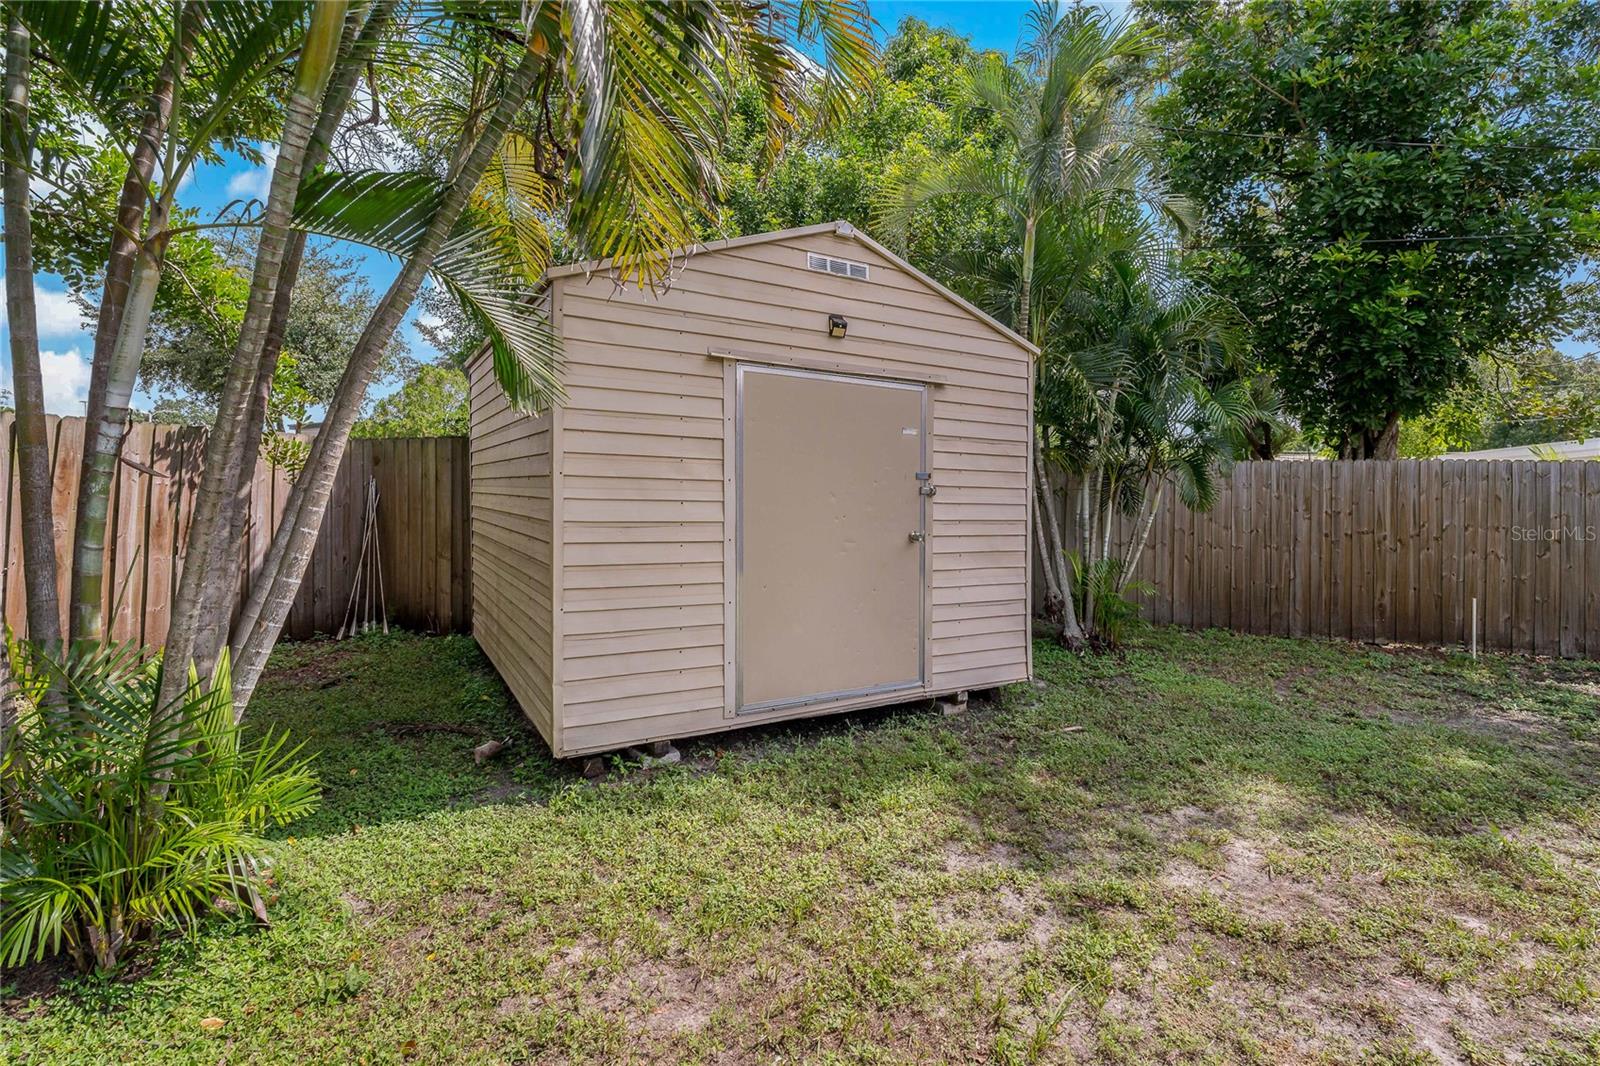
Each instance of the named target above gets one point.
<point>1379,141</point>
<point>1435,238</point>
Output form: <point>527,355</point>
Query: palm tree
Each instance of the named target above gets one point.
<point>649,83</point>
<point>33,446</point>
<point>1065,158</point>
<point>614,107</point>
<point>1150,391</point>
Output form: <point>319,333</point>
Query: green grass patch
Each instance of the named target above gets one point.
<point>1252,850</point>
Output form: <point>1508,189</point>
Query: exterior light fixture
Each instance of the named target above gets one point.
<point>837,326</point>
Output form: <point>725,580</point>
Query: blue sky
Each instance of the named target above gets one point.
<point>65,343</point>
<point>66,339</point>
<point>65,335</point>
<point>989,25</point>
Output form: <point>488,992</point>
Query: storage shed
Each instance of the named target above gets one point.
<point>796,482</point>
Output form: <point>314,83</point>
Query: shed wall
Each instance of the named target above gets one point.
<point>512,544</point>
<point>645,517</point>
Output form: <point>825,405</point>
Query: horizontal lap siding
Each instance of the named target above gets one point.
<point>642,601</point>
<point>978,552</point>
<point>511,544</point>
<point>642,525</point>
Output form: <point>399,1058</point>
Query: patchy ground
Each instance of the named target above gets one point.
<point>1253,850</point>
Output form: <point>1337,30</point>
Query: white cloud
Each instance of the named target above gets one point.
<point>66,381</point>
<point>58,313</point>
<point>428,320</point>
<point>256,182</point>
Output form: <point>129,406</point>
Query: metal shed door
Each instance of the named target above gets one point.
<point>830,537</point>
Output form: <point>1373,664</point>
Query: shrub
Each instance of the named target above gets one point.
<point>119,821</point>
<point>1114,615</point>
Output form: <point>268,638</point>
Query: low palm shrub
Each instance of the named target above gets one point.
<point>123,818</point>
<point>1109,613</point>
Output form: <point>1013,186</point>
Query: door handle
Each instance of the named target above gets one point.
<point>917,536</point>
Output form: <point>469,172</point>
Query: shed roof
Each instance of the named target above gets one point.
<point>840,228</point>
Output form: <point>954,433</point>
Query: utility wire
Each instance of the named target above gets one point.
<point>1363,241</point>
<point>1387,143</point>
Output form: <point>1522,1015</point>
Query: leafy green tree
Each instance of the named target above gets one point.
<point>915,110</point>
<point>1541,398</point>
<point>1388,191</point>
<point>604,116</point>
<point>193,334</point>
<point>431,403</point>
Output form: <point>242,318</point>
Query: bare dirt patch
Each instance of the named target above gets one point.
<point>328,667</point>
<point>1246,883</point>
<point>1501,722</point>
<point>29,988</point>
<point>1286,685</point>
<point>956,859</point>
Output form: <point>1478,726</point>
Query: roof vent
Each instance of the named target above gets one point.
<point>844,268</point>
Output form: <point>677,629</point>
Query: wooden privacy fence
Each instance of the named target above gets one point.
<point>1385,551</point>
<point>422,529</point>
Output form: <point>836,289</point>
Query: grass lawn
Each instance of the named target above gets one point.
<point>1218,848</point>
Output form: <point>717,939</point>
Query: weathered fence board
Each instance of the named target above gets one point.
<point>422,515</point>
<point>1382,551</point>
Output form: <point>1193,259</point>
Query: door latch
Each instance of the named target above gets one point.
<point>928,489</point>
<point>917,536</point>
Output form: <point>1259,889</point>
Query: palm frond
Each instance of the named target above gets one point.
<point>483,264</point>
<point>106,52</point>
<point>107,834</point>
<point>843,28</point>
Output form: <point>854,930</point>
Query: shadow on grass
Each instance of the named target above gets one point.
<point>1183,720</point>
<point>797,842</point>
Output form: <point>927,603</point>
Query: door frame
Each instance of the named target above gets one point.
<point>733,548</point>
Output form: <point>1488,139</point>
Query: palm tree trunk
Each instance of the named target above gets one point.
<point>1131,563</point>
<point>1055,558</point>
<point>1025,308</point>
<point>33,439</point>
<point>309,499</point>
<point>104,435</point>
<point>115,365</point>
<point>1071,631</point>
<point>1095,496</point>
<point>1052,587</point>
<point>341,88</point>
<point>1105,534</point>
<point>1084,509</point>
<point>211,558</point>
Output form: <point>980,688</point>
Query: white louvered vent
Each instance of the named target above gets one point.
<point>844,268</point>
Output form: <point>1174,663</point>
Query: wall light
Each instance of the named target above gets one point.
<point>837,325</point>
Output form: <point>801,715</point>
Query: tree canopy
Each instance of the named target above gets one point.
<point>915,109</point>
<point>432,402</point>
<point>192,335</point>
<point>1387,192</point>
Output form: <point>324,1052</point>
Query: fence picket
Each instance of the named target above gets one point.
<point>1389,552</point>
<point>149,516</point>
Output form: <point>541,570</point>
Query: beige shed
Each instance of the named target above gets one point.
<point>794,483</point>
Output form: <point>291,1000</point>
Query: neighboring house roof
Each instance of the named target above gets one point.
<point>842,229</point>
<point>1567,449</point>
